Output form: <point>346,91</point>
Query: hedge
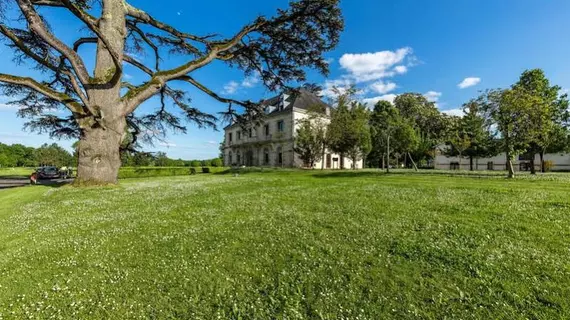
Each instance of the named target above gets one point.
<point>147,172</point>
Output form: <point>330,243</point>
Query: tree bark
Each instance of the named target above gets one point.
<point>470,163</point>
<point>460,161</point>
<point>413,162</point>
<point>542,167</point>
<point>388,154</point>
<point>510,168</point>
<point>532,169</point>
<point>99,156</point>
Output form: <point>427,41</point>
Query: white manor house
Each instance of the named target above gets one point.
<point>271,143</point>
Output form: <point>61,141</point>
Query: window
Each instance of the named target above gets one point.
<point>490,166</point>
<point>230,137</point>
<point>238,158</point>
<point>239,135</point>
<point>230,158</point>
<point>280,126</point>
<point>250,132</point>
<point>279,156</point>
<point>266,129</point>
<point>265,156</point>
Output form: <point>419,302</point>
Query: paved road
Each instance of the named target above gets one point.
<point>13,182</point>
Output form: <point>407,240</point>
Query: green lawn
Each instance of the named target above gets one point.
<point>15,172</point>
<point>289,245</point>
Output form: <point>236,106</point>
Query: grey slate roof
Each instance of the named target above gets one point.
<point>300,99</point>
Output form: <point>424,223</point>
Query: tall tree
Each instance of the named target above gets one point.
<point>348,133</point>
<point>426,119</point>
<point>510,111</point>
<point>101,106</point>
<point>549,115</point>
<point>470,135</point>
<point>310,138</point>
<point>360,132</point>
<point>459,139</point>
<point>391,133</point>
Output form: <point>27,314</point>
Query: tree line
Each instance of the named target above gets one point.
<point>530,117</point>
<point>18,155</point>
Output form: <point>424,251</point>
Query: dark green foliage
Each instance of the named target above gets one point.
<point>310,138</point>
<point>148,172</point>
<point>18,155</point>
<point>195,163</point>
<point>348,132</point>
<point>217,162</point>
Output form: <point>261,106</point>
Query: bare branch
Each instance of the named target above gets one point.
<point>45,62</point>
<point>159,79</point>
<point>37,26</point>
<point>30,83</point>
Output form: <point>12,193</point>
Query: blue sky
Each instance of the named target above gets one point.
<point>387,48</point>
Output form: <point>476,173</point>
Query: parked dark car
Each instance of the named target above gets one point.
<point>48,173</point>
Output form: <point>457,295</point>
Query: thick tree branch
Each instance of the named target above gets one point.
<point>18,42</point>
<point>159,79</point>
<point>91,23</point>
<point>72,104</point>
<point>144,17</point>
<point>38,27</point>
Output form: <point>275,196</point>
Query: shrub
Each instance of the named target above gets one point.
<point>195,163</point>
<point>192,171</point>
<point>205,170</point>
<point>548,165</point>
<point>217,163</point>
<point>147,172</point>
<point>206,163</point>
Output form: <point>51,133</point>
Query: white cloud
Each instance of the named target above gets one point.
<point>167,144</point>
<point>432,96</point>
<point>340,84</point>
<point>469,82</point>
<point>211,142</point>
<point>251,81</point>
<point>231,87</point>
<point>179,13</point>
<point>453,112</point>
<point>370,102</point>
<point>382,87</point>
<point>401,69</point>
<point>127,76</point>
<point>364,67</point>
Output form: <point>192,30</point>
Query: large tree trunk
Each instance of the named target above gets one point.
<point>532,169</point>
<point>99,157</point>
<point>542,167</point>
<point>470,163</point>
<point>100,142</point>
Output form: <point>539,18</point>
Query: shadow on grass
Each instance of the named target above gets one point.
<point>23,182</point>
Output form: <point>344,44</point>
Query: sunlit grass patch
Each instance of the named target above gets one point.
<point>289,244</point>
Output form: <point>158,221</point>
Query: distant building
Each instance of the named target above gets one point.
<point>271,143</point>
<point>557,161</point>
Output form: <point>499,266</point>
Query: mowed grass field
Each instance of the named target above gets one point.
<point>289,245</point>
